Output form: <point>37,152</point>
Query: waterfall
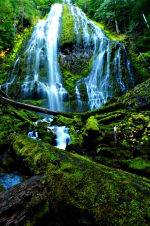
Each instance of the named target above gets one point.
<point>42,52</point>
<point>41,77</point>
<point>118,71</point>
<point>10,179</point>
<point>13,75</point>
<point>78,98</point>
<point>98,83</point>
<point>62,137</point>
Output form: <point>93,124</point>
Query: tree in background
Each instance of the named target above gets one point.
<point>6,24</point>
<point>18,14</point>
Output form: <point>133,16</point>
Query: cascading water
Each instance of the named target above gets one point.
<point>62,137</point>
<point>42,76</point>
<point>99,83</point>
<point>12,76</point>
<point>118,70</point>
<point>42,52</point>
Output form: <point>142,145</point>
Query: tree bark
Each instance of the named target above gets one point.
<point>14,200</point>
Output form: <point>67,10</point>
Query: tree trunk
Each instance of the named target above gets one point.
<point>116,24</point>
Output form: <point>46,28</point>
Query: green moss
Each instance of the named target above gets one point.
<point>70,79</point>
<point>34,102</point>
<point>92,124</point>
<point>40,206</point>
<point>62,120</point>
<point>139,96</point>
<point>103,194</point>
<point>76,140</point>
<point>139,163</point>
<point>74,182</point>
<point>138,65</point>
<point>67,34</point>
<point>8,61</point>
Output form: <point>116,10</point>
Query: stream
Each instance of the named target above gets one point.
<point>10,179</point>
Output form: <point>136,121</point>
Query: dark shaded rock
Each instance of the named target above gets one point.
<point>14,200</point>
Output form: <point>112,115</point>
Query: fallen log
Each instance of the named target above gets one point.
<point>81,191</point>
<point>30,107</point>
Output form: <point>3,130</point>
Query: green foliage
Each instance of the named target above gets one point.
<point>6,24</point>
<point>128,15</point>
<point>139,163</point>
<point>16,15</point>
<point>92,124</point>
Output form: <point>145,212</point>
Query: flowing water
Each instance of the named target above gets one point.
<point>42,52</point>
<point>99,84</point>
<point>43,78</point>
<point>9,179</point>
<point>62,137</point>
<point>62,133</point>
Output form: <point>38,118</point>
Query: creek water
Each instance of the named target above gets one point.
<point>62,133</point>
<point>10,179</point>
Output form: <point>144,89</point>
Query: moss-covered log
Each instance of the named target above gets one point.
<point>31,107</point>
<point>87,192</point>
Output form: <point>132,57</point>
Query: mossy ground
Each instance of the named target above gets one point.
<point>94,193</point>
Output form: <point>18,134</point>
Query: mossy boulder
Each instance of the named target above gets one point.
<point>91,134</point>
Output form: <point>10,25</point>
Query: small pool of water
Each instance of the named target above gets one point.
<point>10,179</point>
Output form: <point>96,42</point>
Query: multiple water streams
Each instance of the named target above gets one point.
<point>99,83</point>
<point>43,77</point>
<point>62,133</point>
